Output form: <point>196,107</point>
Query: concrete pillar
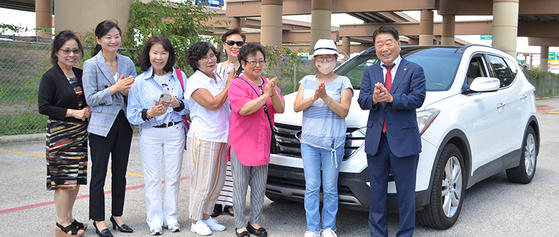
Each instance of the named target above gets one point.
<point>235,23</point>
<point>321,14</point>
<point>525,61</point>
<point>505,25</point>
<point>531,58</point>
<point>271,24</point>
<point>426,28</point>
<point>449,26</point>
<point>346,47</point>
<point>544,58</point>
<point>68,15</point>
<point>43,17</point>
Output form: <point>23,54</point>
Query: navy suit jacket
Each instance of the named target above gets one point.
<point>408,90</point>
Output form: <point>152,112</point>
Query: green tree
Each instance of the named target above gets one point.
<point>183,23</point>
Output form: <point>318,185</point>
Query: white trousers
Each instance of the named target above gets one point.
<point>156,143</point>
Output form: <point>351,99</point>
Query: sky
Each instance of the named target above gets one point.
<point>27,19</point>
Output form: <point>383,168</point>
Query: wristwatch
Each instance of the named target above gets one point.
<point>329,102</point>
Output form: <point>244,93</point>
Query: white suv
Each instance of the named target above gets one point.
<point>478,119</point>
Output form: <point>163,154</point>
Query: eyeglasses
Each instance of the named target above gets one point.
<point>328,58</point>
<point>232,42</point>
<point>253,63</point>
<point>67,51</point>
<point>206,58</point>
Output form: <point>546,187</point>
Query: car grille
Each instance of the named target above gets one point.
<point>290,145</point>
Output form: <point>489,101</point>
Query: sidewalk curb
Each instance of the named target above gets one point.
<point>22,138</point>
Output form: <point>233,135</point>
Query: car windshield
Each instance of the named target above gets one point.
<point>440,65</point>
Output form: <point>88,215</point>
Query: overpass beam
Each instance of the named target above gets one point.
<point>271,24</point>
<point>426,28</point>
<point>505,25</point>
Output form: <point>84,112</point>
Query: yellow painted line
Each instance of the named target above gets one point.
<point>553,112</point>
<point>23,153</point>
<point>31,154</point>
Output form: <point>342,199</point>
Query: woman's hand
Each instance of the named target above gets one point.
<point>81,114</point>
<point>156,110</point>
<point>173,103</point>
<point>87,111</point>
<point>270,89</point>
<point>232,75</point>
<point>122,85</point>
<point>321,92</point>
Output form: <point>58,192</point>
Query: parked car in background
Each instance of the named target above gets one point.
<point>478,119</point>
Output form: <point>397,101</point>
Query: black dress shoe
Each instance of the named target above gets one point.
<point>260,232</point>
<point>103,233</point>
<point>217,210</point>
<point>123,228</point>
<point>242,234</point>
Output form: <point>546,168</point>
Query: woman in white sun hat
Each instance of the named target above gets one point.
<point>324,99</point>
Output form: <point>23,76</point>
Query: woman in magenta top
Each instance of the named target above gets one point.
<point>250,135</point>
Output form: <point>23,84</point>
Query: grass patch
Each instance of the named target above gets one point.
<point>542,106</point>
<point>23,123</point>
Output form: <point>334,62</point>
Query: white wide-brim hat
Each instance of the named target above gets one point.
<point>325,46</point>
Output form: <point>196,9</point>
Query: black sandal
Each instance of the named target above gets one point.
<point>229,210</point>
<point>218,208</point>
<point>80,225</point>
<point>70,230</point>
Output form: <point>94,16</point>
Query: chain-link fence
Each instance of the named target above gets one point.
<point>21,66</point>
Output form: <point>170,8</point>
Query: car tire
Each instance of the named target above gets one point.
<point>526,169</point>
<point>447,191</point>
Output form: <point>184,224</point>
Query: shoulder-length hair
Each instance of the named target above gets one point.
<point>59,40</point>
<point>144,61</point>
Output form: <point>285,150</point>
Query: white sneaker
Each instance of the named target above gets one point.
<point>156,230</point>
<point>214,225</point>
<point>175,227</point>
<point>200,228</point>
<point>328,233</point>
<point>310,234</point>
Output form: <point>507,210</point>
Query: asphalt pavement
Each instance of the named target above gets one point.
<point>493,207</point>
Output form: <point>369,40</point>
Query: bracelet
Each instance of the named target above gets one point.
<point>329,102</point>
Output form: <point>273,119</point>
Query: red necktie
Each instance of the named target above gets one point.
<point>387,85</point>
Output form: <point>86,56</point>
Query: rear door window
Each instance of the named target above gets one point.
<point>501,70</point>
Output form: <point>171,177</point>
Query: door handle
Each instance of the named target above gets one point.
<point>500,105</point>
<point>522,97</point>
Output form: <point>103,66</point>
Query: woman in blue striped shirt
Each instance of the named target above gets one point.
<point>324,99</point>
<point>157,106</point>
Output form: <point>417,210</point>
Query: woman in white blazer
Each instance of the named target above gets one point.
<point>107,78</point>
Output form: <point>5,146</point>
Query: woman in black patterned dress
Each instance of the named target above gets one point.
<point>61,99</point>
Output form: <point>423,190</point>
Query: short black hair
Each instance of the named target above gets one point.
<point>197,51</point>
<point>234,31</point>
<point>386,29</point>
<point>59,40</point>
<point>101,30</point>
<point>250,49</point>
<point>144,61</point>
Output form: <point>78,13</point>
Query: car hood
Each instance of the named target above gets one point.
<point>357,118</point>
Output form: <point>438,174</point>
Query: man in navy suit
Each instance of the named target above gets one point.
<point>392,90</point>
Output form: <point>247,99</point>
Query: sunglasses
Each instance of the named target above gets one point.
<point>232,42</point>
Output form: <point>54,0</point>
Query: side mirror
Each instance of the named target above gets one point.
<point>485,84</point>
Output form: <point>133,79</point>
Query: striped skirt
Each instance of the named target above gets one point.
<point>66,154</point>
<point>206,163</point>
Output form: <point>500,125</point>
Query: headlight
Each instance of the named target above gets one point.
<point>425,118</point>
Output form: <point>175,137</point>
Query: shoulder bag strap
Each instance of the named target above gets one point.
<point>179,76</point>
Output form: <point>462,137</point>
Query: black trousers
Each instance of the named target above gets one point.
<point>117,144</point>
